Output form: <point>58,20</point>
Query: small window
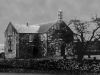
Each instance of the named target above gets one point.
<point>58,27</point>
<point>9,41</point>
<point>9,37</point>
<point>54,26</point>
<point>30,38</point>
<point>9,50</point>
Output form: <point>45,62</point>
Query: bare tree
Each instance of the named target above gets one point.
<point>85,35</point>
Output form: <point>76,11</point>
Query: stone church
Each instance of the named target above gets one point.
<point>35,41</point>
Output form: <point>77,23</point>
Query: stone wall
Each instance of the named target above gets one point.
<point>29,49</point>
<point>10,42</point>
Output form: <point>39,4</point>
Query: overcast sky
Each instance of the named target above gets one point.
<point>39,11</point>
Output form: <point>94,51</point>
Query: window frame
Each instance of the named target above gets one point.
<point>30,38</point>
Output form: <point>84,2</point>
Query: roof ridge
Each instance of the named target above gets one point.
<point>23,28</point>
<point>37,24</point>
<point>35,28</point>
<point>46,22</point>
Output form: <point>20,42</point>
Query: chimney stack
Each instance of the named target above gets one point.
<point>27,24</point>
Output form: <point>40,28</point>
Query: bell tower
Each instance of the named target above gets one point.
<point>60,14</point>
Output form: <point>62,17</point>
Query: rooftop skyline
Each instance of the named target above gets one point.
<point>40,11</point>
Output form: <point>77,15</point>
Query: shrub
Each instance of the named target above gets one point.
<point>49,65</point>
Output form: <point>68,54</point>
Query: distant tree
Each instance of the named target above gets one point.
<point>85,35</point>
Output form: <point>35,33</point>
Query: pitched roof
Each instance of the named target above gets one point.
<point>26,28</point>
<point>39,28</point>
<point>45,26</point>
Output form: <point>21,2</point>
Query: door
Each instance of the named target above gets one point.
<point>35,52</point>
<point>63,49</point>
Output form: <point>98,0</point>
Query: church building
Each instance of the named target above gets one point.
<point>35,41</point>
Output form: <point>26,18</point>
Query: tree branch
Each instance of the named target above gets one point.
<point>94,33</point>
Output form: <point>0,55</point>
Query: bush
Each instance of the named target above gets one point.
<point>51,65</point>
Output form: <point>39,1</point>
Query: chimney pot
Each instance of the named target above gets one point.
<point>27,24</point>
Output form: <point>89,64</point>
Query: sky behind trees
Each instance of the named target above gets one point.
<point>40,11</point>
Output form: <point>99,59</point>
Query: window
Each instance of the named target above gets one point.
<point>30,38</point>
<point>58,27</point>
<point>9,42</point>
<point>9,50</point>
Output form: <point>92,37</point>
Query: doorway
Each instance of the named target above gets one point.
<point>32,52</point>
<point>63,49</point>
<point>35,51</point>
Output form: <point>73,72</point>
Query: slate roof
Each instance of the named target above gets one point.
<point>26,29</point>
<point>45,26</point>
<point>39,28</point>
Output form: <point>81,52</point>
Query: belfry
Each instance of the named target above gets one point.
<point>60,14</point>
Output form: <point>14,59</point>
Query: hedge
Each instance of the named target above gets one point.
<point>51,65</point>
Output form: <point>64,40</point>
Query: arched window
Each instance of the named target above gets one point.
<point>30,38</point>
<point>58,27</point>
<point>9,42</point>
